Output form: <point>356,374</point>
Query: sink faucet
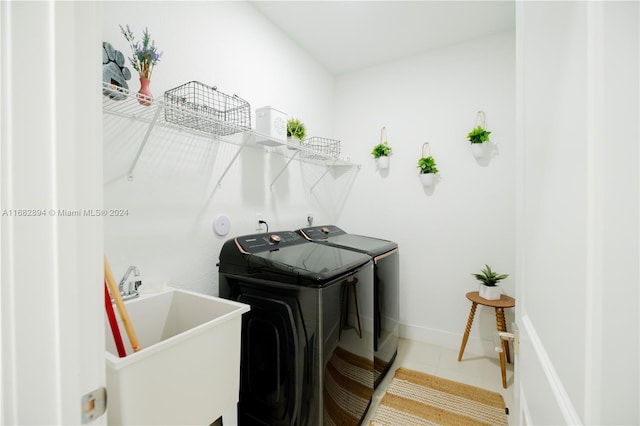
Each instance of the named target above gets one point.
<point>132,289</point>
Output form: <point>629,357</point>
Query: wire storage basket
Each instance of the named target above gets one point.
<point>323,146</point>
<point>201,107</point>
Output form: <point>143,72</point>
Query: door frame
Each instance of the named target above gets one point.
<point>52,296</point>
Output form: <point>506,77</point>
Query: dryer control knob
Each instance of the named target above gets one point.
<point>325,230</point>
<point>275,239</point>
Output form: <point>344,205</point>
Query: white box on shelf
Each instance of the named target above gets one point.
<point>272,123</point>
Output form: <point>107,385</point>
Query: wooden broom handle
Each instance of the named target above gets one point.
<point>122,310</point>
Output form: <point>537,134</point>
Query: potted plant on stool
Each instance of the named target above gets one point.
<point>489,288</point>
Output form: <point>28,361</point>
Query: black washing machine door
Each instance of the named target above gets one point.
<point>271,385</point>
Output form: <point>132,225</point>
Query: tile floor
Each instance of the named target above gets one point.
<point>475,370</point>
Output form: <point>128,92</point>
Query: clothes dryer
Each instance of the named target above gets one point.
<point>302,363</point>
<point>386,303</point>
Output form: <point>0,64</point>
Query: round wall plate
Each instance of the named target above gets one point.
<point>221,225</point>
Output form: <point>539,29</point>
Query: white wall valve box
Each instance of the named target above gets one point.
<point>272,123</point>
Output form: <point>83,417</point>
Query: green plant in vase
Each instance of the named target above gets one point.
<point>478,136</point>
<point>489,288</point>
<point>381,153</point>
<point>428,170</point>
<point>296,129</point>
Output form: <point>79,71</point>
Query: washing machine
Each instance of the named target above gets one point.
<point>386,303</point>
<point>304,360</point>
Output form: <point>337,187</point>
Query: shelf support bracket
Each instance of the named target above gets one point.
<point>233,160</point>
<point>325,172</point>
<point>283,169</point>
<point>144,142</point>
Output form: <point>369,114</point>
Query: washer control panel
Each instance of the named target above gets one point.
<point>316,233</point>
<point>257,243</point>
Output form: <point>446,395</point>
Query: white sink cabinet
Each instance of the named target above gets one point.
<point>188,369</point>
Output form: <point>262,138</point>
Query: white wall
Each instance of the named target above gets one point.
<point>173,199</point>
<point>444,235</point>
<point>578,211</point>
<point>468,218</point>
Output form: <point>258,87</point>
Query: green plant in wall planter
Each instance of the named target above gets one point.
<point>478,136</point>
<point>296,130</point>
<point>489,288</point>
<point>427,166</point>
<point>382,151</point>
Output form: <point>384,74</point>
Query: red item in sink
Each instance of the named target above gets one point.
<point>113,322</point>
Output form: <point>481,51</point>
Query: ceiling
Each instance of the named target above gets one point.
<point>345,36</point>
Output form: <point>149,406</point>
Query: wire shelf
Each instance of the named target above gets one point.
<point>124,108</point>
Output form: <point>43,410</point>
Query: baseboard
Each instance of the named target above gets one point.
<point>448,340</point>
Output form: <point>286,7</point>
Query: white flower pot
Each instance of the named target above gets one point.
<point>383,162</point>
<point>490,293</point>
<point>478,150</point>
<point>293,141</point>
<point>427,178</point>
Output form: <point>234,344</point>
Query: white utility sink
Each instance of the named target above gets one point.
<point>188,369</point>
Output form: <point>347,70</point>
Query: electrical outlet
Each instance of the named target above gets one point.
<point>310,219</point>
<point>259,217</point>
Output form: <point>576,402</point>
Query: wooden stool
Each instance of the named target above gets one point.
<point>506,338</point>
<point>499,305</point>
<point>346,286</point>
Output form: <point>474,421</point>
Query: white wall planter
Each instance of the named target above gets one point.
<point>383,162</point>
<point>427,179</point>
<point>478,150</point>
<point>382,151</point>
<point>427,166</point>
<point>490,293</point>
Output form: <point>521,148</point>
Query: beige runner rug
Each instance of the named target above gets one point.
<point>415,398</point>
